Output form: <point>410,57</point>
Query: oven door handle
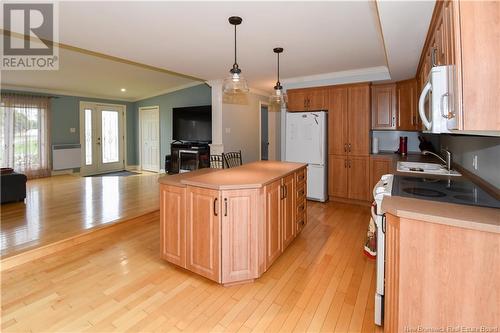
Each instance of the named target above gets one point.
<point>375,216</point>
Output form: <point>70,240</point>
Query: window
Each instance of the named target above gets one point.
<point>24,134</point>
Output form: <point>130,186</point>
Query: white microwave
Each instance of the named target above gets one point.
<point>436,103</point>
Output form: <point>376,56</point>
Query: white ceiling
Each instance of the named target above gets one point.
<point>86,75</point>
<point>404,26</point>
<point>195,39</point>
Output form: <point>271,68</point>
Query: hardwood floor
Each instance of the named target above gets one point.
<point>322,283</point>
<point>60,207</point>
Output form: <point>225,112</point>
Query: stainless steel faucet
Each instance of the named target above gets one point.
<point>447,162</point>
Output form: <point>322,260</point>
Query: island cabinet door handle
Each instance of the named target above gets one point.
<point>225,206</point>
<point>215,206</point>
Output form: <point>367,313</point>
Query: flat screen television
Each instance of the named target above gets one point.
<point>192,123</point>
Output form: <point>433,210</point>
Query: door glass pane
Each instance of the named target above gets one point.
<point>88,137</point>
<point>110,144</point>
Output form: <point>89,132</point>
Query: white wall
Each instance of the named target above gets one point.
<point>389,140</point>
<point>274,129</point>
<point>240,125</point>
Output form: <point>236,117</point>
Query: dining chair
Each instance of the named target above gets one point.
<point>233,159</point>
<point>217,161</point>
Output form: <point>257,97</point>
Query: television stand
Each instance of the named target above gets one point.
<point>189,156</point>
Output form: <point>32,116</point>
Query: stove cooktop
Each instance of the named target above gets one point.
<point>461,192</point>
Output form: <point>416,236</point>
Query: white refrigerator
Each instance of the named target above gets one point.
<point>306,142</point>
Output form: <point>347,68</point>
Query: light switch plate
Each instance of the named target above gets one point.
<point>72,130</point>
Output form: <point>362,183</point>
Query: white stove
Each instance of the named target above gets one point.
<point>382,188</point>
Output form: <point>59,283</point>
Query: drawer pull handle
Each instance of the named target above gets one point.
<point>225,206</point>
<point>301,207</point>
<point>301,193</point>
<point>301,222</point>
<point>215,206</point>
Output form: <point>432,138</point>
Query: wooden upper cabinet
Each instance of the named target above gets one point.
<point>288,210</point>
<point>480,72</point>
<point>384,106</point>
<point>239,229</point>
<point>203,232</point>
<point>407,106</point>
<point>296,100</point>
<point>273,196</point>
<point>358,113</point>
<point>337,121</point>
<point>172,224</point>
<point>310,99</point>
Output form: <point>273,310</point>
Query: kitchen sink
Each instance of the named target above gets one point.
<point>426,169</point>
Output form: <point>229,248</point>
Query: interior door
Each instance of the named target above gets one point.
<point>264,133</point>
<point>102,138</point>
<point>150,139</point>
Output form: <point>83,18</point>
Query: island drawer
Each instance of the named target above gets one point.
<point>300,176</point>
<point>301,221</point>
<point>301,207</point>
<point>301,192</point>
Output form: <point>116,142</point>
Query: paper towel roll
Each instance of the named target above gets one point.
<point>375,145</point>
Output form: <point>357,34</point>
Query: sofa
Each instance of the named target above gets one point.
<point>13,186</point>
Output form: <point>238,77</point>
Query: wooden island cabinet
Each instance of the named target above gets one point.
<point>231,225</point>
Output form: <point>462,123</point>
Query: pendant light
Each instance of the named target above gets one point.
<point>235,83</point>
<point>278,96</point>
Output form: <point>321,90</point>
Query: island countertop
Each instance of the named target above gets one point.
<point>251,175</point>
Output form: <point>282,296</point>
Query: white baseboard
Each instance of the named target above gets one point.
<point>132,167</point>
<point>64,172</point>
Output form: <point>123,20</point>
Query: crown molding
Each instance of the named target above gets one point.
<point>170,90</point>
<point>63,93</point>
<point>377,73</point>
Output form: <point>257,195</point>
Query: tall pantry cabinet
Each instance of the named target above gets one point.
<point>349,142</point>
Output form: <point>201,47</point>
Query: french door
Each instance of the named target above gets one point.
<point>102,137</point>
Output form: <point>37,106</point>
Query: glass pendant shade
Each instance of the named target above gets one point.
<point>278,97</point>
<point>235,83</point>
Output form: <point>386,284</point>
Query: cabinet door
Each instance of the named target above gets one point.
<point>358,178</point>
<point>273,196</point>
<point>379,166</point>
<point>288,210</point>
<point>296,100</point>
<point>384,106</point>
<point>337,121</point>
<point>449,33</point>
<point>358,113</point>
<point>406,93</point>
<point>203,232</point>
<point>316,99</point>
<point>173,224</point>
<point>337,176</point>
<point>239,235</point>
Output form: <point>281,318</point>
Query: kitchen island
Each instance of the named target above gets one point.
<point>230,225</point>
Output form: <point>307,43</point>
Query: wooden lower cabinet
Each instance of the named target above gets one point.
<point>439,276</point>
<point>288,210</point>
<point>337,176</point>
<point>231,236</point>
<point>357,180</point>
<point>203,232</point>
<point>172,228</point>
<point>349,177</point>
<point>273,212</point>
<point>379,166</point>
<point>239,231</point>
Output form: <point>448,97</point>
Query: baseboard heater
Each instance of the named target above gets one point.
<point>66,156</point>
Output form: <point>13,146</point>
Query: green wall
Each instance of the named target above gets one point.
<point>194,96</point>
<point>65,115</point>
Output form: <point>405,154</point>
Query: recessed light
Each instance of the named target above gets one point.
<point>123,89</point>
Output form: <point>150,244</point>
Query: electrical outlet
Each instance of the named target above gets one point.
<point>72,130</point>
<point>474,162</point>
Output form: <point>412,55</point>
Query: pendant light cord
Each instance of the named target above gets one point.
<point>279,83</point>
<point>235,62</point>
